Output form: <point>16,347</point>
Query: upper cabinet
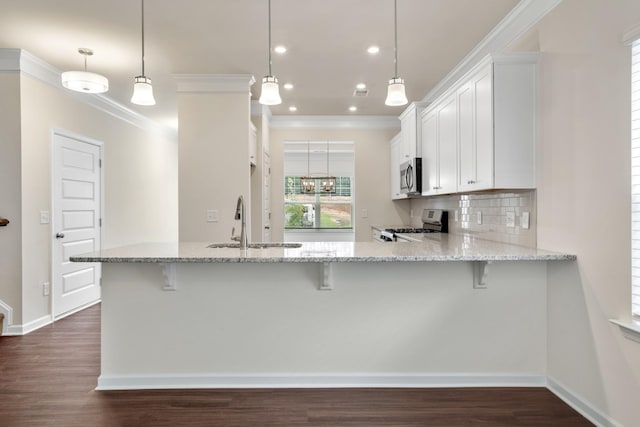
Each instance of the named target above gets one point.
<point>496,124</point>
<point>253,144</point>
<point>439,147</point>
<point>411,131</point>
<point>395,149</point>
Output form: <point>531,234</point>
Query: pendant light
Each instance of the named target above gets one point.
<point>270,94</point>
<point>328,181</point>
<point>142,89</point>
<point>308,183</point>
<point>395,93</point>
<point>314,183</point>
<point>84,81</point>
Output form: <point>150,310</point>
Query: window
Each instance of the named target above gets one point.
<point>319,211</point>
<point>635,178</point>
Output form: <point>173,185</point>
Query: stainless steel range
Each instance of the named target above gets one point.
<point>433,221</point>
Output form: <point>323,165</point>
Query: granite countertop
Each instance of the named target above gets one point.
<point>441,247</point>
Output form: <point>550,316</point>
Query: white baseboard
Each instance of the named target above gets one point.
<point>140,382</point>
<point>75,310</point>
<point>12,330</point>
<point>29,327</point>
<point>580,405</point>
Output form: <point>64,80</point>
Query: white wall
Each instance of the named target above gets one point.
<point>372,176</point>
<point>214,163</point>
<point>584,198</point>
<point>140,188</point>
<point>10,197</point>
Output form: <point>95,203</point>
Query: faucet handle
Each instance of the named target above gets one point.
<point>233,235</point>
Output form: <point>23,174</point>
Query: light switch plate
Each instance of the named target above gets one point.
<point>456,215</point>
<point>45,218</point>
<point>479,217</point>
<point>212,216</point>
<point>511,219</point>
<point>524,220</point>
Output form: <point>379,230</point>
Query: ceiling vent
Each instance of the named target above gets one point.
<point>361,92</point>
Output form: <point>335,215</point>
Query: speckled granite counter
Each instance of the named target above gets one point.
<point>440,247</point>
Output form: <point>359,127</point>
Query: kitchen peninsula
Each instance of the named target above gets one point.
<point>449,310</point>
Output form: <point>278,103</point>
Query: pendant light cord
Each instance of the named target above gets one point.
<point>395,27</point>
<point>269,50</point>
<point>142,18</point>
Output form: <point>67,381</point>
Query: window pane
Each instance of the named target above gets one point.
<point>321,210</point>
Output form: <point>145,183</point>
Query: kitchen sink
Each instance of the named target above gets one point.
<point>255,245</point>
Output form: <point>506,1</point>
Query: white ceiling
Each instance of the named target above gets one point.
<point>326,41</point>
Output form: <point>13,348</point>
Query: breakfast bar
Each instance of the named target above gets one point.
<point>451,310</point>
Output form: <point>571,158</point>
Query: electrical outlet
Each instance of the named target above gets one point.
<point>46,289</point>
<point>511,219</point>
<point>212,216</point>
<point>479,217</point>
<point>45,218</point>
<point>524,220</point>
<point>364,213</point>
<point>456,215</point>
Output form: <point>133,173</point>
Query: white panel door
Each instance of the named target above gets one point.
<point>76,181</point>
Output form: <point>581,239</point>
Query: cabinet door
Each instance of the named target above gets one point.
<point>466,137</point>
<point>253,144</point>
<point>483,91</point>
<point>430,172</point>
<point>447,145</point>
<point>395,160</point>
<point>409,137</point>
<point>475,132</point>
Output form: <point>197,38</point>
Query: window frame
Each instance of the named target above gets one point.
<point>635,175</point>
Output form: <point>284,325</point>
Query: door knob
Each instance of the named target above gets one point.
<point>59,235</point>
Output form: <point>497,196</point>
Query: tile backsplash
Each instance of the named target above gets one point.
<point>501,214</point>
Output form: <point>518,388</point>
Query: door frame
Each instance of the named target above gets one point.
<point>85,140</point>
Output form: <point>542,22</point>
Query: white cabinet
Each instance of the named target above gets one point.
<point>253,144</point>
<point>395,158</point>
<point>496,124</point>
<point>411,130</point>
<point>439,147</point>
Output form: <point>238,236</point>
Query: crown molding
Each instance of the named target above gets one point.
<point>19,60</point>
<point>521,19</point>
<point>223,83</point>
<point>334,122</point>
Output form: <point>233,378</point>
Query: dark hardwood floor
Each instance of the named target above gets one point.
<point>47,378</point>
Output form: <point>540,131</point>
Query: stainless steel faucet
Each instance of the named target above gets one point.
<point>241,215</point>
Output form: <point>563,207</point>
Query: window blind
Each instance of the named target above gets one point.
<point>635,178</point>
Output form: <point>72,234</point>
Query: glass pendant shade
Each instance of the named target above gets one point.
<point>143,91</point>
<point>270,94</point>
<point>84,81</point>
<point>395,93</point>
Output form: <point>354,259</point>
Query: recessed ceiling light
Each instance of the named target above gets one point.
<point>361,86</point>
<point>279,49</point>
<point>373,50</point>
<point>287,86</point>
<point>293,108</point>
<point>353,108</point>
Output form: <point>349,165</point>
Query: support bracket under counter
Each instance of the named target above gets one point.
<point>327,277</point>
<point>481,274</point>
<point>170,276</point>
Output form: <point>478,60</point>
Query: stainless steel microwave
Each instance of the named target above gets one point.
<point>411,177</point>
